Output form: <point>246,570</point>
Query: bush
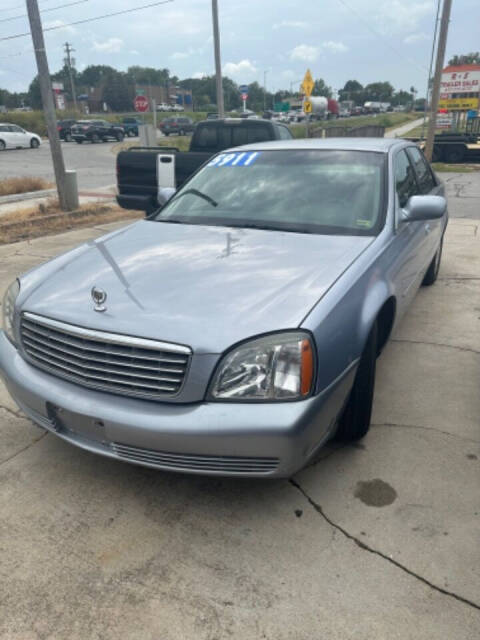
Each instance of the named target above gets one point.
<point>34,121</point>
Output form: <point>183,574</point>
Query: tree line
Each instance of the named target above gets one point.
<point>119,88</point>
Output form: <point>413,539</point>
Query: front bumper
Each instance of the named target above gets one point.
<point>234,439</point>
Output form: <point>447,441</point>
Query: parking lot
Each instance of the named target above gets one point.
<point>372,541</point>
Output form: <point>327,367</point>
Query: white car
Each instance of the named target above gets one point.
<point>14,137</point>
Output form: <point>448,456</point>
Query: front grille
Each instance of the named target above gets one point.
<point>190,462</point>
<point>109,362</point>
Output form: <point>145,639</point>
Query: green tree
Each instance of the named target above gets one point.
<point>93,75</point>
<point>34,94</point>
<point>401,97</point>
<point>378,92</point>
<point>118,92</point>
<point>352,90</point>
<point>320,88</point>
<point>466,58</point>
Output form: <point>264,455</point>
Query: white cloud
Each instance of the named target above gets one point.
<point>60,25</point>
<point>134,52</point>
<point>304,52</point>
<point>198,75</point>
<point>290,24</point>
<point>413,38</point>
<point>179,55</point>
<point>244,68</point>
<point>334,47</point>
<point>288,74</point>
<point>112,45</point>
<point>397,16</point>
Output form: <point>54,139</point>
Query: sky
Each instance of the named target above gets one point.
<point>339,40</point>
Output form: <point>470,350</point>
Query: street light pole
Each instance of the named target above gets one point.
<point>265,89</point>
<point>47,101</point>
<point>442,43</point>
<point>218,65</point>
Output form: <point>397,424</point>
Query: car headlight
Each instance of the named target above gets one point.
<point>272,368</point>
<point>8,309</point>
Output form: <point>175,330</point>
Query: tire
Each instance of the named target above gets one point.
<point>3,146</point>
<point>181,132</point>
<point>131,133</point>
<point>95,138</point>
<point>432,271</point>
<point>454,154</point>
<point>119,136</point>
<point>34,143</point>
<point>437,154</point>
<point>79,141</point>
<point>68,137</point>
<point>355,420</point>
<point>167,134</point>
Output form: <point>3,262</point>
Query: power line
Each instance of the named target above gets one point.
<point>379,35</point>
<point>106,15</point>
<point>61,6</point>
<point>22,6</point>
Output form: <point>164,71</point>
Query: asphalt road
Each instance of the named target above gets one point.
<point>373,541</point>
<point>95,164</point>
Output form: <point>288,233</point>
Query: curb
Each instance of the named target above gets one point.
<point>30,195</point>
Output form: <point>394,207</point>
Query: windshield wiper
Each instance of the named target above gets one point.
<point>196,192</point>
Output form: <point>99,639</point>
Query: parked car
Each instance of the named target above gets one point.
<point>130,126</point>
<point>141,173</point>
<point>163,107</point>
<point>178,108</point>
<point>237,330</point>
<point>176,126</point>
<point>14,137</point>
<point>96,131</point>
<point>64,128</point>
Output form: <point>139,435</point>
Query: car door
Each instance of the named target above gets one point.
<point>5,135</point>
<point>411,241</point>
<point>18,137</point>
<point>428,185</point>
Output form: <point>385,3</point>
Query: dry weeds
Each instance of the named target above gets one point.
<point>47,219</point>
<point>10,186</point>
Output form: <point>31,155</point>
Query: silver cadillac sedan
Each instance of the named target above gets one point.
<point>236,330</point>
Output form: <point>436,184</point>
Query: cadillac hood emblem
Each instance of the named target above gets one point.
<point>99,296</point>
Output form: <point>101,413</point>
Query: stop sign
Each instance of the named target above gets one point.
<point>140,103</point>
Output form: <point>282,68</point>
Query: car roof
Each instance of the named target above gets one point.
<point>382,145</point>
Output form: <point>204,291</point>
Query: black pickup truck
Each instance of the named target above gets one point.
<point>137,169</point>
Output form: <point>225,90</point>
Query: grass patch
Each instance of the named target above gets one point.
<point>443,167</point>
<point>47,219</point>
<point>10,186</point>
<point>387,120</point>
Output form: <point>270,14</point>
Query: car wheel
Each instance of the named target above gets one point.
<point>432,271</point>
<point>2,145</point>
<point>34,143</point>
<point>68,137</point>
<point>454,154</point>
<point>95,138</point>
<point>79,141</point>
<point>119,136</point>
<point>355,420</point>
<point>167,134</point>
<point>181,132</point>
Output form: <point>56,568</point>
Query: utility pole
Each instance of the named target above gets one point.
<point>69,61</point>
<point>218,66</point>
<point>265,90</point>
<point>47,100</point>
<point>442,43</point>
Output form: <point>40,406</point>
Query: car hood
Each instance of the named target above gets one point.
<point>204,286</point>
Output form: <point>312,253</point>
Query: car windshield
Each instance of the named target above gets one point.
<point>336,192</point>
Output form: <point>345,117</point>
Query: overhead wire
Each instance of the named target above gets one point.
<point>84,21</point>
<point>61,6</point>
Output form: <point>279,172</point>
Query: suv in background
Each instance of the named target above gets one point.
<point>64,128</point>
<point>177,126</point>
<point>96,131</point>
<point>130,126</point>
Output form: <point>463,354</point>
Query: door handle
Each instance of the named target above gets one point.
<point>427,229</point>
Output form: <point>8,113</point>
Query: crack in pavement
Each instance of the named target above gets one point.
<point>436,344</point>
<point>17,453</point>
<point>366,547</point>
<point>17,414</point>
<point>422,427</point>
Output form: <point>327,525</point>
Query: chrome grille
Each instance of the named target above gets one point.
<point>191,462</point>
<point>109,362</point>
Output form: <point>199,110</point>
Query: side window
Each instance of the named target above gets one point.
<point>405,183</point>
<point>285,133</point>
<point>239,136</point>
<point>424,176</point>
<point>15,129</point>
<point>206,138</point>
<point>259,134</point>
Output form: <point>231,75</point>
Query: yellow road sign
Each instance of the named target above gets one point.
<point>459,104</point>
<point>307,106</point>
<point>308,84</point>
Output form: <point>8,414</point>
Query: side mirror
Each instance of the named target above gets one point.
<point>424,208</point>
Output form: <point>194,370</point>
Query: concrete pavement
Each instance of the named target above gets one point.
<point>373,541</point>
<point>398,132</point>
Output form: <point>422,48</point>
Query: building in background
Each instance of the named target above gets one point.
<point>459,93</point>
